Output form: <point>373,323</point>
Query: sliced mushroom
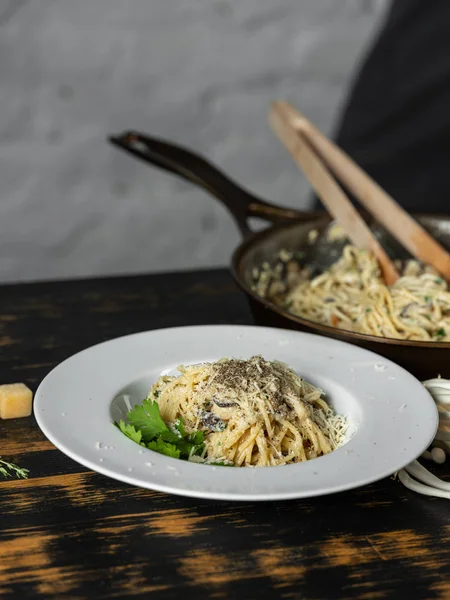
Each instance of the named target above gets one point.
<point>405,309</point>
<point>212,421</point>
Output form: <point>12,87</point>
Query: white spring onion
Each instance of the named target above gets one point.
<point>420,488</point>
<point>428,484</point>
<point>445,446</point>
<point>439,389</point>
<point>438,455</point>
<point>422,474</point>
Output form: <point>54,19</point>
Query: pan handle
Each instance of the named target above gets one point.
<point>199,171</point>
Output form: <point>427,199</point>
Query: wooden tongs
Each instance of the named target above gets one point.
<point>314,153</point>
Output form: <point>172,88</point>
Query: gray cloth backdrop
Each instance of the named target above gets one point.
<point>201,72</point>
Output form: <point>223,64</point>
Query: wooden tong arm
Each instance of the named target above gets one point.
<point>328,189</point>
<point>378,202</point>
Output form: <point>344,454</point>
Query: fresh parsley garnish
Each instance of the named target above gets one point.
<point>427,299</point>
<point>131,432</point>
<point>8,469</point>
<point>146,427</point>
<point>438,280</point>
<point>197,438</point>
<point>180,427</point>
<point>159,445</point>
<point>440,332</point>
<point>147,419</point>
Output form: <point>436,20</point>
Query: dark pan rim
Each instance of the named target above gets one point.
<point>236,270</point>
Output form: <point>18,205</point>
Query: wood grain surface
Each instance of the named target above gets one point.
<point>69,532</point>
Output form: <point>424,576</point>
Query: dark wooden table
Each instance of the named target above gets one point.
<point>69,532</point>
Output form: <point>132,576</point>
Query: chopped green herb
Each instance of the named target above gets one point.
<point>147,428</point>
<point>130,431</point>
<point>427,299</point>
<point>188,444</point>
<point>440,332</point>
<point>180,427</point>
<point>439,280</point>
<point>159,445</point>
<point>156,394</point>
<point>8,469</point>
<point>220,463</point>
<point>197,438</point>
<point>368,310</point>
<point>148,420</point>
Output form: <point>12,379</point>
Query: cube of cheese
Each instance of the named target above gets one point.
<point>15,401</point>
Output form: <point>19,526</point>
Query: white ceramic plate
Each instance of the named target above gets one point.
<point>393,415</point>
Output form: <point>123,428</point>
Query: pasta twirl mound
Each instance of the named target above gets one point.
<point>253,412</point>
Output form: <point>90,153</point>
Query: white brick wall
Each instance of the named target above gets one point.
<point>200,72</point>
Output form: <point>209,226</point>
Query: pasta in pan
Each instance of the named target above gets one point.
<point>352,295</point>
<point>253,412</point>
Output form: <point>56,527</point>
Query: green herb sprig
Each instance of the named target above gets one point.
<point>8,469</point>
<point>147,428</point>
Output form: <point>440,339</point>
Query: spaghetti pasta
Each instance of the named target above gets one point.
<point>254,412</point>
<point>352,295</point>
